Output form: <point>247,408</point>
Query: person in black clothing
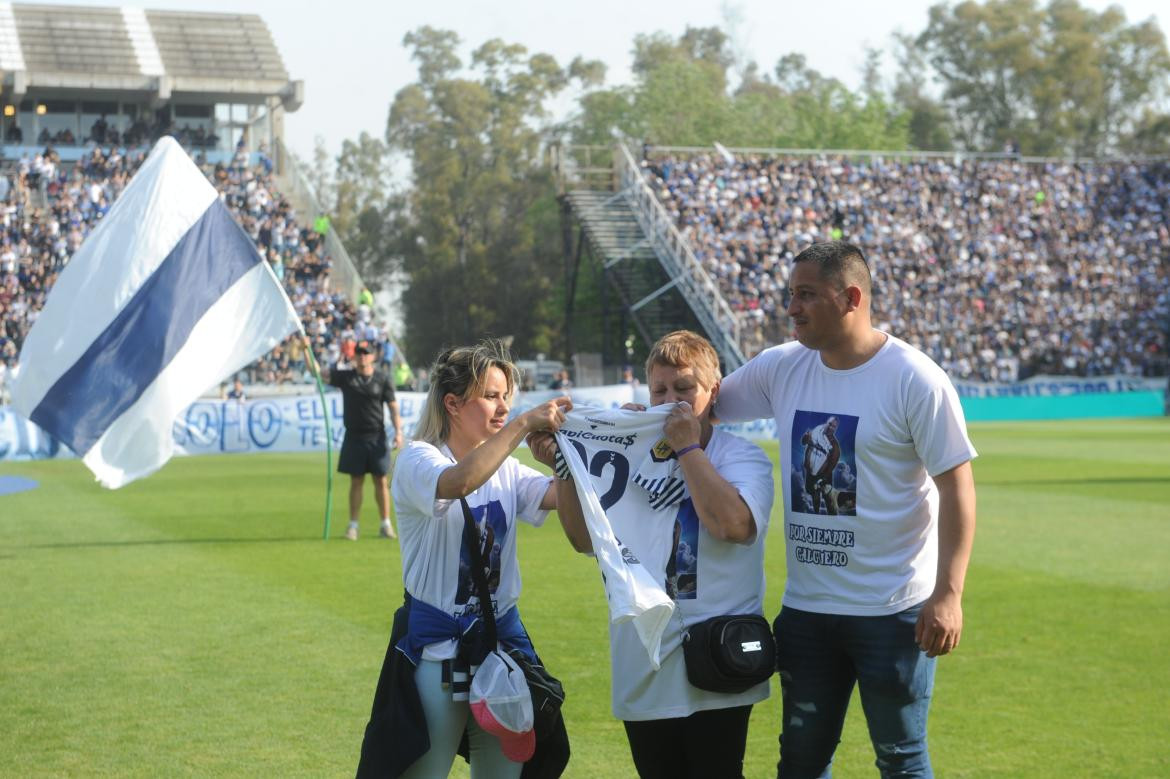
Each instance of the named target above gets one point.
<point>365,448</point>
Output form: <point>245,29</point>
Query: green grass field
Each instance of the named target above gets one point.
<point>195,624</point>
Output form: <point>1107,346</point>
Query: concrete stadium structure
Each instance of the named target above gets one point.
<point>65,68</point>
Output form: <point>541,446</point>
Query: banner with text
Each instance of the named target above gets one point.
<point>296,423</point>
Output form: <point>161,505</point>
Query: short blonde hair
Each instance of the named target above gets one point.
<point>463,372</point>
<point>686,349</point>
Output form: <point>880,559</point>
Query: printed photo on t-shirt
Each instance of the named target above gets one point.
<point>492,525</point>
<point>682,568</point>
<point>824,463</point>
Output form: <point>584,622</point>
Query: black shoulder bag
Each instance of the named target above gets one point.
<point>729,653</point>
<point>547,692</point>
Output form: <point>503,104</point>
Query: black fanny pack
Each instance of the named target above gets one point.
<point>730,653</point>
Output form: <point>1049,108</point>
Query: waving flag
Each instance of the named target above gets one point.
<point>727,156</point>
<point>166,297</point>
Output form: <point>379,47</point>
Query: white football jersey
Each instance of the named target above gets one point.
<point>653,549</point>
<point>606,447</point>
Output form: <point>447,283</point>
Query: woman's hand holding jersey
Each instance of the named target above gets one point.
<point>682,428</point>
<point>719,505</point>
<point>547,417</point>
<point>543,447</point>
<point>475,468</point>
<point>562,494</point>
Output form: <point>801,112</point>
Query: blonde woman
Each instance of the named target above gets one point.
<point>461,450</point>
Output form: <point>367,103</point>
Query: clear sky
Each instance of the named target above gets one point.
<point>350,54</point>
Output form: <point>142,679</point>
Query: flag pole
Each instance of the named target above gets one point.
<point>328,434</point>
<point>315,369</point>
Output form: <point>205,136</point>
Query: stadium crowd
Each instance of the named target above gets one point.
<point>47,210</point>
<point>135,133</point>
<point>998,269</point>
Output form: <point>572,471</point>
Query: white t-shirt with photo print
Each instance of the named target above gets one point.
<point>430,532</point>
<point>705,577</point>
<point>714,578</point>
<point>867,543</point>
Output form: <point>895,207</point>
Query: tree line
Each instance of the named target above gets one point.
<point>476,236</point>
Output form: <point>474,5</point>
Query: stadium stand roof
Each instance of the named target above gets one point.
<point>127,52</point>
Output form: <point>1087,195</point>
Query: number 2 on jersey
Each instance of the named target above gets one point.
<point>621,472</point>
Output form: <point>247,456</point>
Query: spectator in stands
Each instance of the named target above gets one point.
<point>321,227</point>
<point>237,393</point>
<point>387,349</point>
<point>365,448</point>
<point>97,131</point>
<point>262,155</point>
<point>405,380</point>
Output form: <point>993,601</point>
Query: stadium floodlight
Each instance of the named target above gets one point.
<point>42,109</point>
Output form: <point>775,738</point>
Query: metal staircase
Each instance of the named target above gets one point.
<point>630,263</point>
<point>648,264</point>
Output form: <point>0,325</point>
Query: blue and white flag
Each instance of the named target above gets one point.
<point>727,156</point>
<point>166,297</point>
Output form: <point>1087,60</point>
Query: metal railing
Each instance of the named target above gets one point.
<point>581,166</point>
<point>697,286</point>
<point>344,274</point>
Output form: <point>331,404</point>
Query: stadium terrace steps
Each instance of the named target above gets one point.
<point>633,268</point>
<point>55,42</point>
<point>218,45</point>
<point>75,39</point>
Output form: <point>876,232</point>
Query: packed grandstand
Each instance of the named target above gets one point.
<point>50,208</point>
<point>998,269</point>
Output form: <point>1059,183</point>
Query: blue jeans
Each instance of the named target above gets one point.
<point>820,657</point>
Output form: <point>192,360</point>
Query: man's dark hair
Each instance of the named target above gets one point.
<point>839,261</point>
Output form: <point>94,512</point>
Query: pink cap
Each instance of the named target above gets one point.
<point>502,705</point>
<point>517,747</point>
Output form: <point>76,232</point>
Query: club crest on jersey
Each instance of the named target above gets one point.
<point>662,451</point>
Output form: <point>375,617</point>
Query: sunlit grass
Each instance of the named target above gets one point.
<point>195,624</point>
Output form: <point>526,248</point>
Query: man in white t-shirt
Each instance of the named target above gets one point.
<point>879,516</point>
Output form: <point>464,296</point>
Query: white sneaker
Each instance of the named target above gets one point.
<point>351,533</point>
<point>387,531</point>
